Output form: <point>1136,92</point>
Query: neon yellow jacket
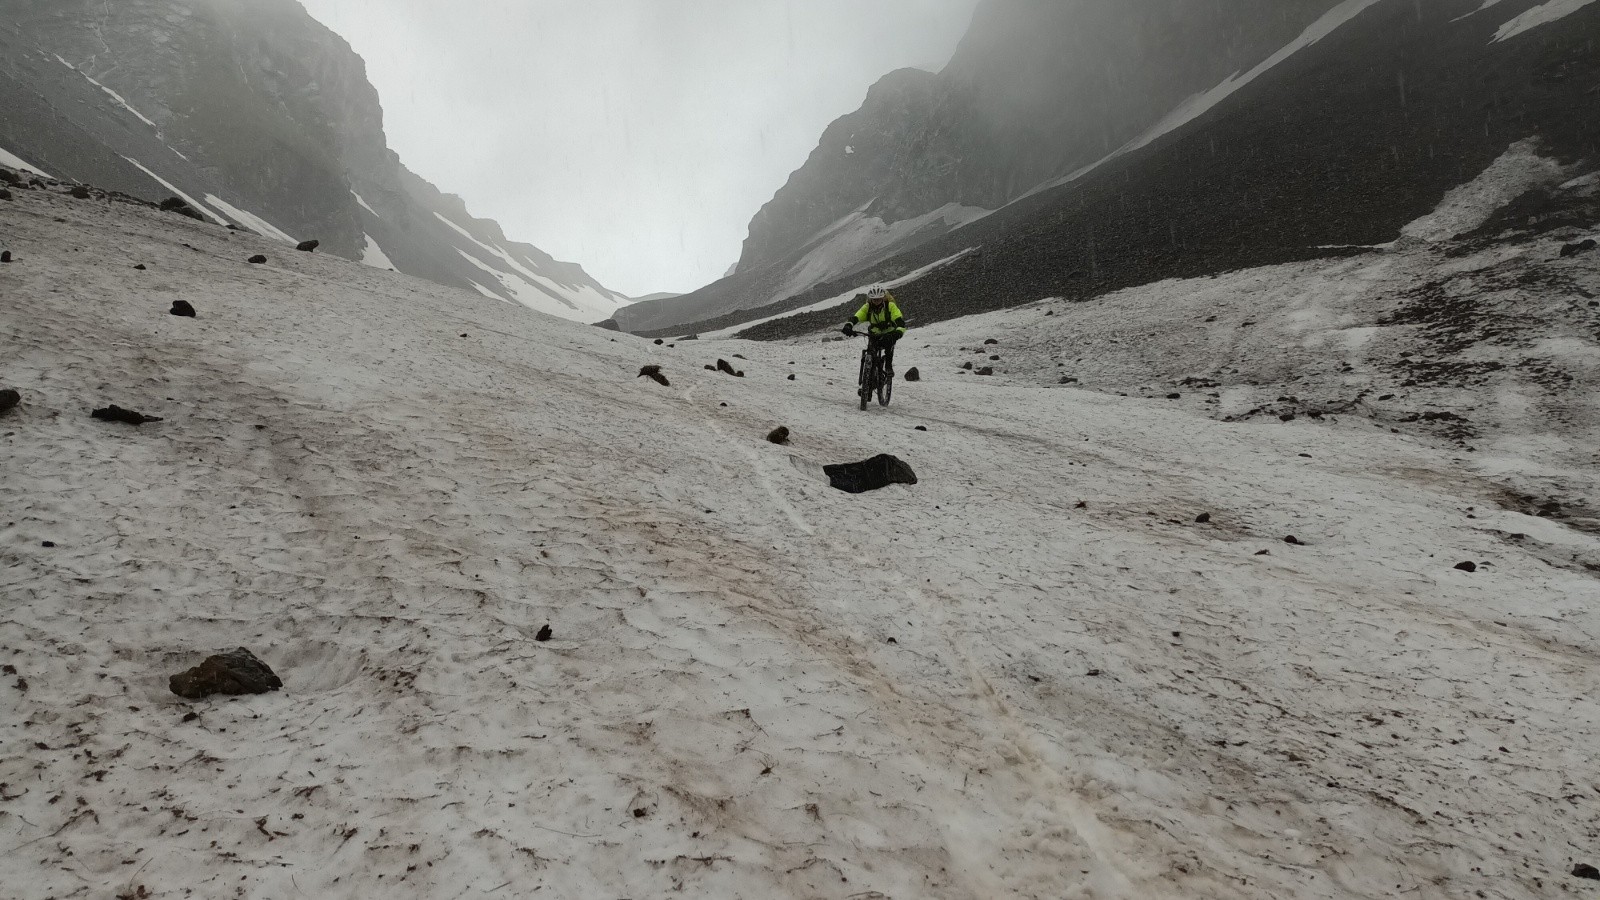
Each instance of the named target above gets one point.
<point>881,321</point>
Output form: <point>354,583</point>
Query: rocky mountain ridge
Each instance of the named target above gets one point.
<point>260,117</point>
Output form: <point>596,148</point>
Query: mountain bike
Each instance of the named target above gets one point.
<point>875,376</point>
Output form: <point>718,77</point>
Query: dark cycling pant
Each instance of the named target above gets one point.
<point>887,342</point>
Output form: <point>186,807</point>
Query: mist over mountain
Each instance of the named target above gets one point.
<point>1167,139</point>
<point>261,118</point>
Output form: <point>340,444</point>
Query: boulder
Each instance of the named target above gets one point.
<point>9,400</point>
<point>257,260</point>
<point>870,474</point>
<point>791,376</point>
<point>115,413</point>
<point>913,375</point>
<point>779,435</point>
<point>1467,566</point>
<point>5,194</point>
<point>182,208</point>
<point>10,177</point>
<point>654,373</point>
<point>5,256</point>
<point>80,192</point>
<point>307,246</point>
<point>236,672</point>
<point>1579,247</point>
<point>182,308</point>
<point>1584,870</point>
<point>986,370</point>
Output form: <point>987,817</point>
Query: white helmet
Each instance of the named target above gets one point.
<point>877,292</point>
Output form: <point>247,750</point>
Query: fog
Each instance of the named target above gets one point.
<point>636,137</point>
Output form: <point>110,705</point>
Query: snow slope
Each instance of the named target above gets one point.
<point>1543,14</point>
<point>1030,675</point>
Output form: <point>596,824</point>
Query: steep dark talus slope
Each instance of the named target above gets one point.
<point>262,118</point>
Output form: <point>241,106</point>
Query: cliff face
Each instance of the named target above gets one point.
<point>1036,90</point>
<point>266,120</point>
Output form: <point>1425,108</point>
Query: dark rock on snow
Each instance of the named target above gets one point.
<point>1291,539</point>
<point>725,366</point>
<point>10,177</point>
<point>236,672</point>
<point>1467,566</point>
<point>141,267</point>
<point>9,400</point>
<point>307,246</point>
<point>182,208</point>
<point>5,194</point>
<point>986,370</point>
<point>1579,247</point>
<point>1202,519</point>
<point>115,413</point>
<point>257,260</point>
<point>654,373</point>
<point>791,376</point>
<point>870,474</point>
<point>1584,870</point>
<point>543,633</point>
<point>5,256</point>
<point>779,435</point>
<point>913,375</point>
<point>182,308</point>
<point>79,192</point>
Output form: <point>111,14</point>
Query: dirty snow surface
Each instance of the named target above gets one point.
<point>1031,675</point>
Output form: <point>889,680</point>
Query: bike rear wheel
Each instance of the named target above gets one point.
<point>885,386</point>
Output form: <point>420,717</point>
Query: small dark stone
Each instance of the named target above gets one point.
<point>1263,552</point>
<point>307,246</point>
<point>1291,539</point>
<point>967,366</point>
<point>9,399</point>
<point>236,672</point>
<point>1584,870</point>
<point>912,374</point>
<point>1202,519</point>
<point>141,267</point>
<point>659,342</point>
<point>1093,673</point>
<point>1174,396</point>
<point>995,358</point>
<point>791,377</point>
<point>1082,504</point>
<point>1067,379</point>
<point>80,192</point>
<point>738,356</point>
<point>543,633</point>
<point>986,370</point>
<point>991,341</point>
<point>5,256</point>
<point>47,543</point>
<point>115,413</point>
<point>182,308</point>
<point>257,260</point>
<point>1287,417</point>
<point>1467,566</point>
<point>779,435</point>
<point>922,428</point>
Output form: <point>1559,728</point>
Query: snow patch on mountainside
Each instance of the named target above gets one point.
<point>845,295</point>
<point>1539,15</point>
<point>364,204</point>
<point>373,255</point>
<point>11,160</point>
<point>174,189</point>
<point>250,220</point>
<point>1517,171</point>
<point>858,239</point>
<point>577,302</point>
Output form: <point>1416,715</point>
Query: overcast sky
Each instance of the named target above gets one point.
<point>636,137</point>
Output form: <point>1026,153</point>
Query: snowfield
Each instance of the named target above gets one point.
<point>1031,675</point>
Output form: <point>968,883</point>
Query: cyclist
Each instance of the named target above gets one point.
<point>885,325</point>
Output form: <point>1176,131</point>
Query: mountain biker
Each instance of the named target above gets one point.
<point>885,325</point>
